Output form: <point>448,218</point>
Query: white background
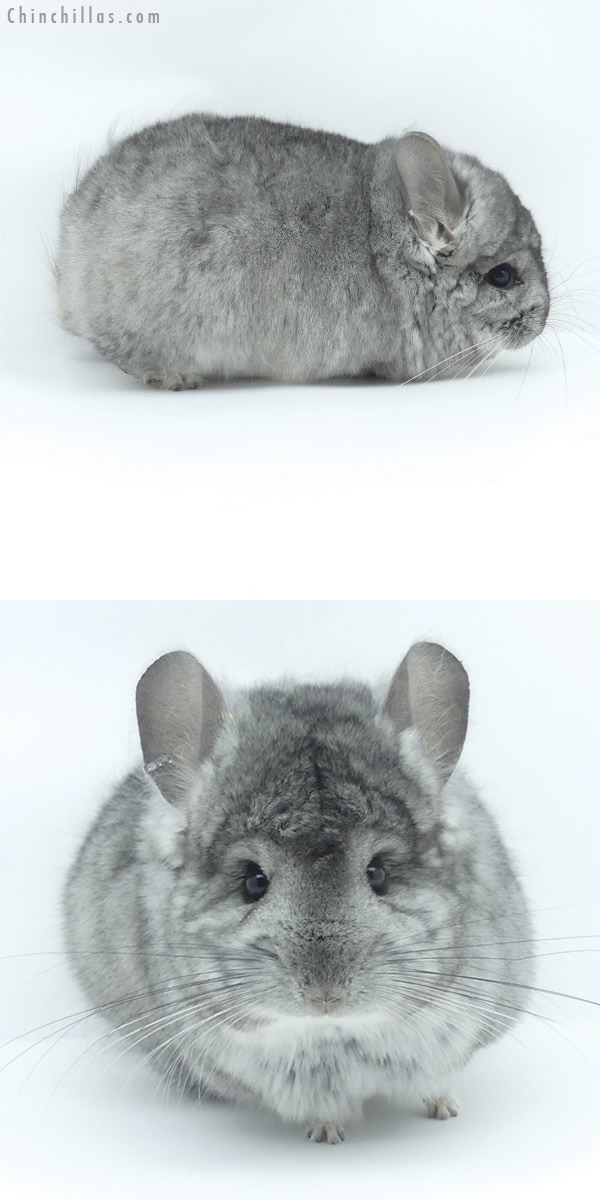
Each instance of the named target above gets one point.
<point>314,531</point>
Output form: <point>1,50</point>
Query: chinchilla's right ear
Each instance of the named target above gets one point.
<point>430,693</point>
<point>180,713</point>
<point>430,189</point>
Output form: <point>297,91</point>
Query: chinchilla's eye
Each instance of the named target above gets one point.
<point>501,276</point>
<point>377,876</point>
<point>255,883</point>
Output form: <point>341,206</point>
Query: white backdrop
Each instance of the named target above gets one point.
<point>315,531</point>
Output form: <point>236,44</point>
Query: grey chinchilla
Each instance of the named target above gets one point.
<point>298,901</point>
<point>211,248</point>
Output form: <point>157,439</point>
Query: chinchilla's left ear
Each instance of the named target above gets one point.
<point>430,693</point>
<point>180,713</point>
<point>431,191</point>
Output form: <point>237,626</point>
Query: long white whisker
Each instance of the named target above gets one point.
<point>449,360</point>
<point>116,1033</point>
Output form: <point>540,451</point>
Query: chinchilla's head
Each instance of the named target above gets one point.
<point>312,840</point>
<point>481,243</point>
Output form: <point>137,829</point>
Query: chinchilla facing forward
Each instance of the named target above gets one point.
<point>297,901</point>
<point>213,248</point>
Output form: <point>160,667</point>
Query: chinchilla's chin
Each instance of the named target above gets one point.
<point>520,331</point>
<point>308,1027</point>
<point>522,335</point>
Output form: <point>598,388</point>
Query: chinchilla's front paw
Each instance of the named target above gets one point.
<point>326,1131</point>
<point>442,1107</point>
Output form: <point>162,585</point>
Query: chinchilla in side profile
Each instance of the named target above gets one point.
<point>212,248</point>
<point>298,901</point>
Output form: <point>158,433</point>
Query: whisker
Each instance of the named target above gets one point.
<point>552,1025</point>
<point>448,360</point>
<point>440,993</point>
<point>75,1019</point>
<point>548,1022</point>
<point>215,1021</point>
<point>457,946</point>
<point>119,1031</point>
<point>525,373</point>
<point>526,987</point>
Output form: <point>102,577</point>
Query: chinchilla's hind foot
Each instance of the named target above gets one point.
<point>328,1131</point>
<point>172,383</point>
<point>166,381</point>
<point>442,1107</point>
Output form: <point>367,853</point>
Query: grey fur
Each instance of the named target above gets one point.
<point>321,993</point>
<point>211,247</point>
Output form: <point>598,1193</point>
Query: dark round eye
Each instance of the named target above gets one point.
<point>377,876</point>
<point>501,276</point>
<point>255,883</point>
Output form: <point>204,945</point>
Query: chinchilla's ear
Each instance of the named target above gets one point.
<point>430,693</point>
<point>180,712</point>
<point>430,189</point>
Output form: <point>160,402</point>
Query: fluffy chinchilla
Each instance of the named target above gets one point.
<point>298,901</point>
<point>211,247</point>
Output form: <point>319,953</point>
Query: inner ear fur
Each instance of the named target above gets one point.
<point>431,191</point>
<point>180,713</point>
<point>430,693</point>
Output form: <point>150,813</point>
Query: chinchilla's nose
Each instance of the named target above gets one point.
<point>325,999</point>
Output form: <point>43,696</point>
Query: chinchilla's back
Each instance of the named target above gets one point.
<point>210,231</point>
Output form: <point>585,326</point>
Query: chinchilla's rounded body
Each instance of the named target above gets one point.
<point>210,247</point>
<point>298,901</point>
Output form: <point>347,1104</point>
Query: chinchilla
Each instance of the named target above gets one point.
<point>298,901</point>
<point>212,248</point>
